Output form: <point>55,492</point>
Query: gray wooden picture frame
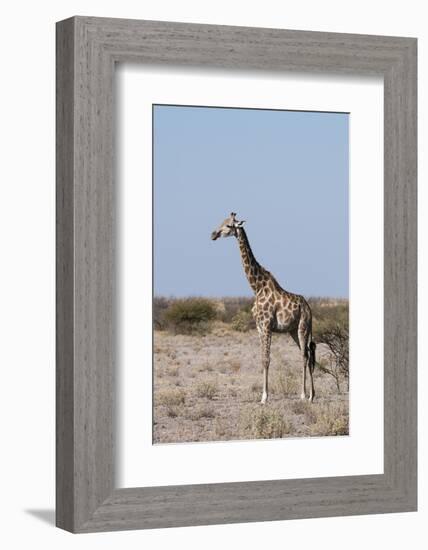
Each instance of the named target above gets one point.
<point>87,50</point>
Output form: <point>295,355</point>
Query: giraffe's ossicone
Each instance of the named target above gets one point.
<point>274,309</point>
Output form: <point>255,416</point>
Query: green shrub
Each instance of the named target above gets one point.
<point>331,327</point>
<point>160,306</point>
<point>190,316</point>
<point>329,310</point>
<point>232,305</point>
<point>335,335</point>
<point>243,321</point>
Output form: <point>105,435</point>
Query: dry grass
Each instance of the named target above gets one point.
<point>329,419</point>
<point>172,371</point>
<point>170,397</point>
<point>171,401</point>
<point>285,383</point>
<point>208,388</point>
<point>264,423</point>
<point>196,413</point>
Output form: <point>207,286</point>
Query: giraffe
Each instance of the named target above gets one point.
<point>274,309</point>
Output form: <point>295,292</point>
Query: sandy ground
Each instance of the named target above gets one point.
<point>208,388</point>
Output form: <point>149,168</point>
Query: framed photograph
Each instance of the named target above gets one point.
<point>236,274</point>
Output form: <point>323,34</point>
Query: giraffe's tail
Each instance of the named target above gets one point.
<point>311,362</point>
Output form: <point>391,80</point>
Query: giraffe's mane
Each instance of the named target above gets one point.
<point>274,281</point>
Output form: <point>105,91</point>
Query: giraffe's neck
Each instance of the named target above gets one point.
<point>253,270</point>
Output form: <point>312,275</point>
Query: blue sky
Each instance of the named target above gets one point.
<point>284,172</point>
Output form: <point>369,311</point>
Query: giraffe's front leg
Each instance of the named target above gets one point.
<point>265,385</point>
<point>265,341</point>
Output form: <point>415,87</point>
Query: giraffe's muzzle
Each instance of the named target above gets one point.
<point>215,235</point>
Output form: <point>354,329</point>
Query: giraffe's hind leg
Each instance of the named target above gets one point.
<point>296,338</point>
<point>303,336</point>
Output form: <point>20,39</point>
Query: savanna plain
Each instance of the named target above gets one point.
<point>208,375</point>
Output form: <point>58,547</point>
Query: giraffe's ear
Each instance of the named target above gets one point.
<point>241,223</point>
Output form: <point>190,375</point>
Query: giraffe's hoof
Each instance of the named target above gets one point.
<point>264,399</point>
<point>303,396</point>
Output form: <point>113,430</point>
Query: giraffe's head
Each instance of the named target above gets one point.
<point>228,228</point>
